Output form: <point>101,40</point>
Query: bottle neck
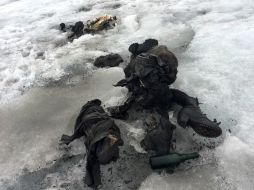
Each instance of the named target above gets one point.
<point>189,156</point>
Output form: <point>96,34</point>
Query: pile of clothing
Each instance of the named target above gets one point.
<point>152,68</point>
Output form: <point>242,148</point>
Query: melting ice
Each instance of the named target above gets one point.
<point>44,80</point>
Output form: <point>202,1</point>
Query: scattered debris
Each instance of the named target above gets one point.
<point>151,70</point>
<point>79,28</point>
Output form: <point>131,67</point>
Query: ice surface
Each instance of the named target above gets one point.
<point>33,128</point>
<point>213,41</point>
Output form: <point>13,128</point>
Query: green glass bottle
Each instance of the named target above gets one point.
<point>171,160</point>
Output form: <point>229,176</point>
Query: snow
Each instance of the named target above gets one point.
<point>213,41</point>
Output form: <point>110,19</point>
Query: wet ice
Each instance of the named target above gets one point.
<point>212,40</point>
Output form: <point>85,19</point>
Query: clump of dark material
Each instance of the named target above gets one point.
<point>63,27</point>
<point>136,48</point>
<point>91,27</point>
<point>76,31</point>
<point>111,60</point>
<point>102,139</point>
<point>151,69</point>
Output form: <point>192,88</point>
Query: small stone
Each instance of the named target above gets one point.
<point>64,185</point>
<point>62,27</point>
<point>127,181</point>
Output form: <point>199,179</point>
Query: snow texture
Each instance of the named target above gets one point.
<point>44,80</point>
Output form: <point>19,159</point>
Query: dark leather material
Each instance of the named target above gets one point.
<point>192,116</point>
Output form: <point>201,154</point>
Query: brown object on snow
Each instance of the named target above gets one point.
<point>110,60</point>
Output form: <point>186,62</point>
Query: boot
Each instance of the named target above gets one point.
<point>192,116</point>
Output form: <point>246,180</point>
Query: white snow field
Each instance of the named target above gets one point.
<point>44,80</point>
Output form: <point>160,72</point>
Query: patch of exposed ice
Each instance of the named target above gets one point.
<point>212,40</point>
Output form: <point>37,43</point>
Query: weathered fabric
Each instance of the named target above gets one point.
<point>136,48</point>
<point>147,77</point>
<point>95,125</point>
